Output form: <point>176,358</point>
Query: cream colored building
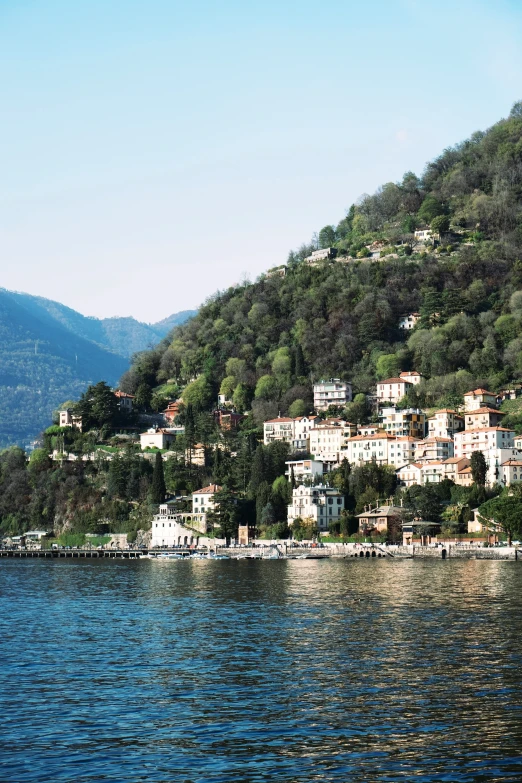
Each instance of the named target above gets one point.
<point>511,471</point>
<point>483,439</point>
<point>411,376</point>
<point>479,398</point>
<point>156,439</point>
<point>445,423</point>
<point>329,442</point>
<point>332,392</point>
<point>483,417</point>
<point>368,448</point>
<point>392,389</point>
<point>203,499</point>
<point>304,469</point>
<point>430,449</point>
<point>321,504</point>
<point>282,428</point>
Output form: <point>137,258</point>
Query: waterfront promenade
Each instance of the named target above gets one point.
<point>339,551</point>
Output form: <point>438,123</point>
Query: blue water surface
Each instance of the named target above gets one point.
<point>250,671</point>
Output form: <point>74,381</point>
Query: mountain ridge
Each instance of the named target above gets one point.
<point>49,353</point>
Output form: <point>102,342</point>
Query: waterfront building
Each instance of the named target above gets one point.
<point>380,519</point>
<point>321,504</point>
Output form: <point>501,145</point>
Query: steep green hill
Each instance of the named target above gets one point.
<point>264,342</point>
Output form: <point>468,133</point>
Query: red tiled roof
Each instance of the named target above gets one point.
<point>479,391</point>
<point>280,419</point>
<point>485,410</point>
<point>394,380</point>
<point>210,490</point>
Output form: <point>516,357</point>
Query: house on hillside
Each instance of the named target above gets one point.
<point>317,256</point>
<point>411,376</point>
<point>332,392</point>
<point>156,438</point>
<point>409,321</point>
<point>483,417</point>
<point>227,420</point>
<point>68,419</point>
<point>172,410</point>
<point>479,398</point>
<point>125,401</point>
<point>445,423</point>
<point>393,389</point>
<point>406,422</point>
<point>203,500</point>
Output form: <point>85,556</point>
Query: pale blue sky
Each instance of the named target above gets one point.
<point>153,152</point>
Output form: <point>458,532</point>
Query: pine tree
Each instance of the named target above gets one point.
<point>158,489</point>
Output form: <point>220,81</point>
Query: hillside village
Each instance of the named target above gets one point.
<point>459,447</point>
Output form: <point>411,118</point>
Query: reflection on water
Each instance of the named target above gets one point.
<point>255,671</point>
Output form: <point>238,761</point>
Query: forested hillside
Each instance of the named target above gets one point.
<point>261,343</point>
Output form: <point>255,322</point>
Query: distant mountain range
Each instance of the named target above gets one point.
<point>49,353</point>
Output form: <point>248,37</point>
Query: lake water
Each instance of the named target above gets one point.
<point>261,671</point>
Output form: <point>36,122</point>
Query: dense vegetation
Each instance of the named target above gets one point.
<point>49,353</point>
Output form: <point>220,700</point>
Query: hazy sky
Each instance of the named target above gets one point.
<point>153,151</point>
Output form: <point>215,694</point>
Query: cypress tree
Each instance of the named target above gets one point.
<point>158,489</point>
<point>300,367</point>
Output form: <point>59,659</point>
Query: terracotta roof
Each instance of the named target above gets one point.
<point>435,439</point>
<point>484,429</point>
<point>119,393</point>
<point>413,372</point>
<point>515,463</point>
<point>453,460</point>
<point>465,470</point>
<point>393,380</point>
<point>280,419</point>
<point>485,410</point>
<point>479,391</point>
<point>381,511</point>
<point>210,490</point>
<point>417,465</point>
